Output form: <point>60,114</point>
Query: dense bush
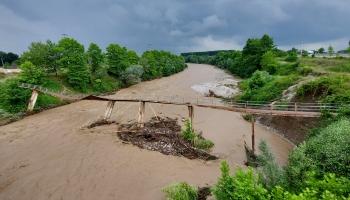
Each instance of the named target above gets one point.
<point>31,73</point>
<point>243,185</point>
<point>332,88</point>
<point>181,191</point>
<point>264,87</point>
<point>270,173</point>
<point>72,59</point>
<point>132,75</point>
<point>160,63</point>
<point>269,62</point>
<point>118,59</point>
<point>328,151</point>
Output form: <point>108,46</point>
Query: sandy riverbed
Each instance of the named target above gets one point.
<point>49,156</point>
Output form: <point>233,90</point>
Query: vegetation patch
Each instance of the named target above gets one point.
<point>331,89</point>
<point>184,191</point>
<point>162,135</point>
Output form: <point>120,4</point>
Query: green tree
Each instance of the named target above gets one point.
<point>252,54</point>
<point>95,57</point>
<point>31,73</point>
<point>321,50</point>
<point>43,55</point>
<point>117,59</point>
<point>330,50</point>
<point>73,60</point>
<point>132,57</point>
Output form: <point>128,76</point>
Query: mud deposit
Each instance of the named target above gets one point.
<point>162,135</point>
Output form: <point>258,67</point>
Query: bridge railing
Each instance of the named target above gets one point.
<point>60,94</point>
<point>260,105</point>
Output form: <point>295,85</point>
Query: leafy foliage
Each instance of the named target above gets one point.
<point>73,59</point>
<point>160,63</point>
<point>31,73</point>
<point>264,87</point>
<point>332,88</point>
<point>95,57</point>
<point>132,75</point>
<point>196,139</point>
<point>243,185</point>
<point>7,58</point>
<point>326,152</point>
<point>270,173</point>
<point>117,59</point>
<point>181,191</point>
<point>44,55</point>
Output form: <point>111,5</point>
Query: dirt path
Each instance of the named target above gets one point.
<point>49,156</point>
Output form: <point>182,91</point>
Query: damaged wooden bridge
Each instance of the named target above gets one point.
<point>291,109</point>
<point>296,109</point>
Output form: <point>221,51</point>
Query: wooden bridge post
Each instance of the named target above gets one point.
<point>190,114</point>
<point>141,113</point>
<point>109,110</point>
<point>32,100</point>
<point>253,133</point>
<point>295,107</point>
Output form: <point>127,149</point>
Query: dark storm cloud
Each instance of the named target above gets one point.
<point>177,26</point>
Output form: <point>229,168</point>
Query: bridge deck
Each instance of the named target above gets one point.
<point>234,107</point>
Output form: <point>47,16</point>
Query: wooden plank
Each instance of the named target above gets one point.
<point>257,111</point>
<point>141,113</point>
<point>109,110</point>
<point>32,100</point>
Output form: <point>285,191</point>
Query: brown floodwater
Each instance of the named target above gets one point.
<point>50,156</point>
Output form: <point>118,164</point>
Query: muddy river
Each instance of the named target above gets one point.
<point>50,156</point>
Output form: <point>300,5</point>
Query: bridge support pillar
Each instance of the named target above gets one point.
<point>141,114</point>
<point>32,100</point>
<point>109,110</point>
<point>253,133</point>
<point>190,114</point>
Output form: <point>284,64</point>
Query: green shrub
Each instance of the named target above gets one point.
<point>329,187</point>
<point>181,191</point>
<point>13,99</point>
<point>196,139</point>
<point>264,87</point>
<point>292,57</point>
<point>105,84</point>
<point>243,185</point>
<point>333,89</point>
<point>326,152</point>
<point>31,73</point>
<point>270,173</point>
<point>132,75</point>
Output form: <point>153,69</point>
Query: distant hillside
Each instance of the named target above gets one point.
<point>205,53</point>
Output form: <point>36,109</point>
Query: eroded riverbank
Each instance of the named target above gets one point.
<point>49,155</point>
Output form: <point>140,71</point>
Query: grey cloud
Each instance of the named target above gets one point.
<point>176,26</point>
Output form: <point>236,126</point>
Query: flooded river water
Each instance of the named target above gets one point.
<point>50,156</point>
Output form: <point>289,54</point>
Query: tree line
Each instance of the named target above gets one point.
<point>7,59</point>
<point>67,65</point>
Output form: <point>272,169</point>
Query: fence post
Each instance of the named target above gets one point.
<point>109,110</point>
<point>253,133</point>
<point>190,114</point>
<point>32,100</point>
<point>295,107</point>
<point>141,114</point>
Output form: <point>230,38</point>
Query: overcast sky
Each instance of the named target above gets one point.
<point>175,25</point>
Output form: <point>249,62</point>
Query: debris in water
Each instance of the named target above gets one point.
<point>162,135</point>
